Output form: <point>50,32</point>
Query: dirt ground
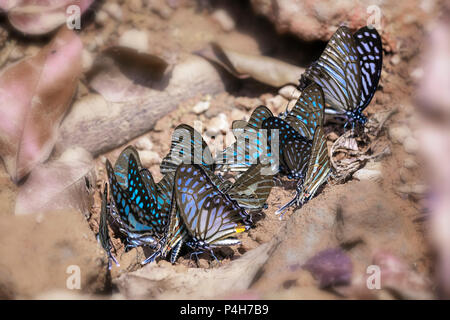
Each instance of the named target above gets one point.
<point>34,250</point>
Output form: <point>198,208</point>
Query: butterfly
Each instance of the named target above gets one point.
<point>103,234</point>
<point>249,145</point>
<point>250,190</point>
<point>348,71</point>
<point>187,146</point>
<point>210,216</point>
<point>317,172</point>
<point>141,209</point>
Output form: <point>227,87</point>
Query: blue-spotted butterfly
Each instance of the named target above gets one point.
<point>318,170</point>
<point>249,145</point>
<point>187,146</point>
<point>103,234</point>
<point>348,71</point>
<point>210,216</point>
<point>141,208</point>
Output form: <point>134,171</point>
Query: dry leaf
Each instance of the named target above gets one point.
<point>36,93</point>
<point>40,16</point>
<point>122,74</point>
<point>68,182</point>
<point>267,70</point>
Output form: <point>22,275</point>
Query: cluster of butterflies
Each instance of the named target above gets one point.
<point>194,206</point>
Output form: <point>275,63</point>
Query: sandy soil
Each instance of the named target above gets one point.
<point>183,30</point>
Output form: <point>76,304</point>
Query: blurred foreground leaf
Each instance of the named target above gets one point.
<point>36,93</point>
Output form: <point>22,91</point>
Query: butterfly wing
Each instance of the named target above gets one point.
<point>103,233</point>
<point>121,165</point>
<point>337,71</point>
<point>187,146</point>
<point>296,154</point>
<point>308,110</point>
<point>209,215</point>
<point>135,208</point>
<point>286,132</point>
<point>369,48</point>
<point>249,142</point>
<point>252,188</point>
<point>318,167</point>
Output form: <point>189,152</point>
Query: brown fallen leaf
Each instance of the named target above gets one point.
<point>67,182</point>
<point>36,92</point>
<point>264,69</point>
<point>123,74</point>
<point>40,16</point>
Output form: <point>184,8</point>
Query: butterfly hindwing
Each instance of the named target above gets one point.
<point>318,168</point>
<point>209,215</point>
<point>187,147</point>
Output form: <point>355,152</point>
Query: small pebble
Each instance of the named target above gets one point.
<point>225,21</point>
<point>135,39</point>
<point>144,143</point>
<point>277,103</point>
<point>289,92</point>
<point>149,158</point>
<point>411,145</point>
<point>371,172</point>
<point>410,163</point>
<point>202,105</point>
<point>237,114</point>
<point>114,10</point>
<point>101,17</point>
<point>398,134</point>
<point>135,5</point>
<point>217,125</point>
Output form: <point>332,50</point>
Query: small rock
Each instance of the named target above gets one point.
<point>202,105</point>
<point>160,8</point>
<point>225,21</point>
<point>289,92</point>
<point>277,103</point>
<point>410,163</point>
<point>395,59</point>
<point>86,60</point>
<point>399,134</point>
<point>149,158</point>
<point>237,114</point>
<point>135,39</point>
<point>247,103</point>
<point>101,17</point>
<point>217,125</point>
<point>372,172</point>
<point>411,145</point>
<point>144,143</point>
<point>405,175</point>
<point>417,74</point>
<point>114,10</point>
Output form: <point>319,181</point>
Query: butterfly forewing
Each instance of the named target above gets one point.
<point>309,110</point>
<point>121,165</point>
<point>318,168</point>
<point>252,188</point>
<point>369,48</point>
<point>249,145</point>
<point>208,214</point>
<point>187,147</point>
